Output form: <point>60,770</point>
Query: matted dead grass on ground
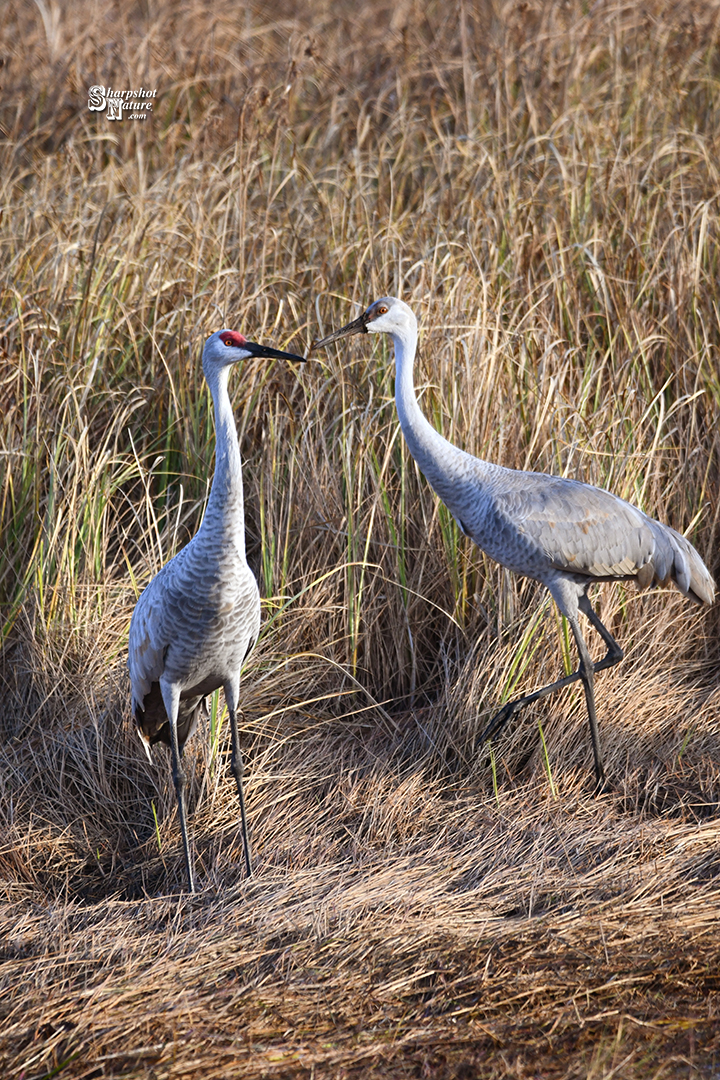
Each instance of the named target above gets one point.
<point>539,181</point>
<point>553,950</point>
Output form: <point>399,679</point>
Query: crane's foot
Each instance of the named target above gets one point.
<point>602,786</point>
<point>499,721</point>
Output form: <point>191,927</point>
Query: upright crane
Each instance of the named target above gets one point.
<point>199,617</point>
<point>560,532</point>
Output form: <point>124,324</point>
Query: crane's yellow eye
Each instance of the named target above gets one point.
<point>229,342</point>
<point>382,310</point>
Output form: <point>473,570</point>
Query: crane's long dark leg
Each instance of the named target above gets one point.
<point>236,767</point>
<point>171,698</point>
<point>614,652</point>
<point>585,672</point>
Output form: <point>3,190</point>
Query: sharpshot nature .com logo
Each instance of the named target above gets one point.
<point>121,104</point>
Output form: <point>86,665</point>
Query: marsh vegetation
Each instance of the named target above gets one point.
<point>539,181</point>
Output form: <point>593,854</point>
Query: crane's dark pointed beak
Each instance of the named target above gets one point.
<point>275,354</point>
<point>357,326</point>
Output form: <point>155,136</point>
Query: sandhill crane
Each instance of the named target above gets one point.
<point>563,533</point>
<point>199,617</point>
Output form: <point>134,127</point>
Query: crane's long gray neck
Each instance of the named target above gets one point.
<point>424,442</point>
<point>224,513</point>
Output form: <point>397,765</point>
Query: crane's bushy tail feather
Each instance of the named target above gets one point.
<point>675,559</point>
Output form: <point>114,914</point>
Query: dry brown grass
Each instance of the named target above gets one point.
<point>539,181</point>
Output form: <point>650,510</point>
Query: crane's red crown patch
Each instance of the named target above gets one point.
<point>231,337</point>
